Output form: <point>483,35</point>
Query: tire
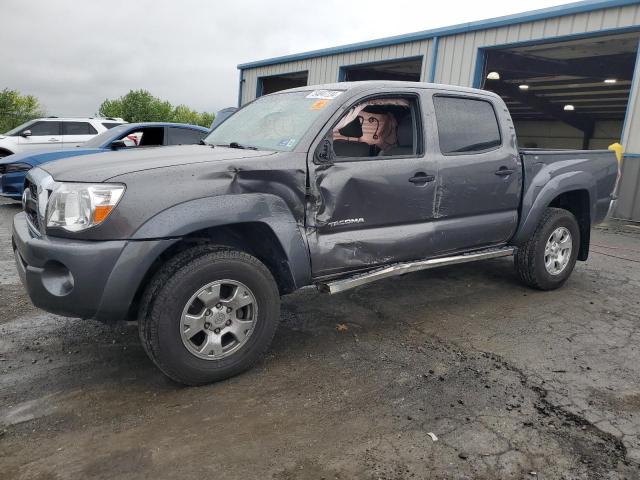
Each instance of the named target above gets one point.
<point>530,258</point>
<point>172,296</point>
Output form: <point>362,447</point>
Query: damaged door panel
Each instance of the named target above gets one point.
<point>373,202</point>
<point>480,171</point>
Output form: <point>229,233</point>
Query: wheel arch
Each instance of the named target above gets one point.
<point>260,225</point>
<point>577,202</point>
<point>573,191</point>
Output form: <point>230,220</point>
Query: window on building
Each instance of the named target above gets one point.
<point>275,83</point>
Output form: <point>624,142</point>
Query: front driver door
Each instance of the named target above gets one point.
<point>43,134</point>
<point>373,202</point>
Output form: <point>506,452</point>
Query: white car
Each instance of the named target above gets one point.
<point>53,133</point>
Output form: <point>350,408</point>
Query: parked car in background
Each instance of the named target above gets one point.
<point>52,133</point>
<point>222,115</point>
<point>125,136</point>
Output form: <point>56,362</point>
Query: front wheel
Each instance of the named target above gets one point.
<point>209,314</point>
<point>547,259</point>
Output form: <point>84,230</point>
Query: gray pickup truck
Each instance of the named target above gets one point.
<point>334,186</point>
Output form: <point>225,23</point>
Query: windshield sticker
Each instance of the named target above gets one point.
<point>324,94</point>
<point>319,104</point>
<point>287,142</point>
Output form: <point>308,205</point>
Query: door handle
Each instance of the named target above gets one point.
<point>54,140</point>
<point>421,178</point>
<point>504,172</point>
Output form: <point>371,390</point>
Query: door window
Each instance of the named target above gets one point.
<point>466,125</point>
<point>184,136</point>
<point>42,129</point>
<point>78,128</point>
<point>144,137</point>
<point>378,127</point>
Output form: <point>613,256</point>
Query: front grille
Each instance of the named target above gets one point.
<point>31,204</point>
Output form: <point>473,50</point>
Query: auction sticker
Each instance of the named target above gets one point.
<point>324,94</point>
<point>319,104</point>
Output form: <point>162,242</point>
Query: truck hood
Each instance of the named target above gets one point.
<point>101,167</point>
<point>38,157</point>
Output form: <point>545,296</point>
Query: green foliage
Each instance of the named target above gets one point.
<point>16,109</point>
<point>141,106</point>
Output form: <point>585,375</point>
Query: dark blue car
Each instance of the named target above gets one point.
<point>14,168</point>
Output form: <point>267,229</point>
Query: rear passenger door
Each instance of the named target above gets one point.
<point>480,172</point>
<point>43,134</point>
<point>75,134</point>
<point>373,202</point>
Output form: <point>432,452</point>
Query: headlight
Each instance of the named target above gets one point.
<point>78,206</point>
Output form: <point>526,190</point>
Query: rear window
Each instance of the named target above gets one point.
<point>109,126</point>
<point>466,125</point>
<point>78,128</point>
<point>184,136</point>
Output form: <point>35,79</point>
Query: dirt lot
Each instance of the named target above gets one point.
<point>513,383</point>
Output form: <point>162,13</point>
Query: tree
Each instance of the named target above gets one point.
<point>141,106</point>
<point>16,109</point>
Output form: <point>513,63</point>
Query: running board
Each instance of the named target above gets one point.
<point>343,284</point>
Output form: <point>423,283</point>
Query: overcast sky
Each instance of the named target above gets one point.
<point>73,54</point>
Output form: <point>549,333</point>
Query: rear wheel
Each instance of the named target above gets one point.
<point>209,314</point>
<point>547,259</point>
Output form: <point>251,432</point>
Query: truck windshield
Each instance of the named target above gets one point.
<point>275,122</point>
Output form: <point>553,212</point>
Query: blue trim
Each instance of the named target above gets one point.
<point>240,80</point>
<point>341,74</point>
<point>478,68</point>
<point>634,82</point>
<point>343,68</point>
<point>630,155</point>
<point>258,87</point>
<point>542,14</point>
<point>433,58</point>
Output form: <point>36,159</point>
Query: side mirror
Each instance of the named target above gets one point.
<point>325,153</point>
<point>26,133</point>
<point>116,144</point>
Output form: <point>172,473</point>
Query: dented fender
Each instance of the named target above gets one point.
<point>223,210</point>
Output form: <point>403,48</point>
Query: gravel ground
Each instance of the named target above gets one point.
<point>455,373</point>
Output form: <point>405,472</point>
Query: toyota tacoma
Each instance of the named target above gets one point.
<point>333,186</point>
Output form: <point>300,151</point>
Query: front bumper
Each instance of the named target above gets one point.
<point>84,279</point>
<point>11,185</point>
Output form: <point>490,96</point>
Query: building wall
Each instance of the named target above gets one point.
<point>325,69</point>
<point>457,54</point>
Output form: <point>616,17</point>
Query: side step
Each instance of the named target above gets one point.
<point>343,284</point>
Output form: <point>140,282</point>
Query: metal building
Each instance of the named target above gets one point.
<point>569,74</point>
